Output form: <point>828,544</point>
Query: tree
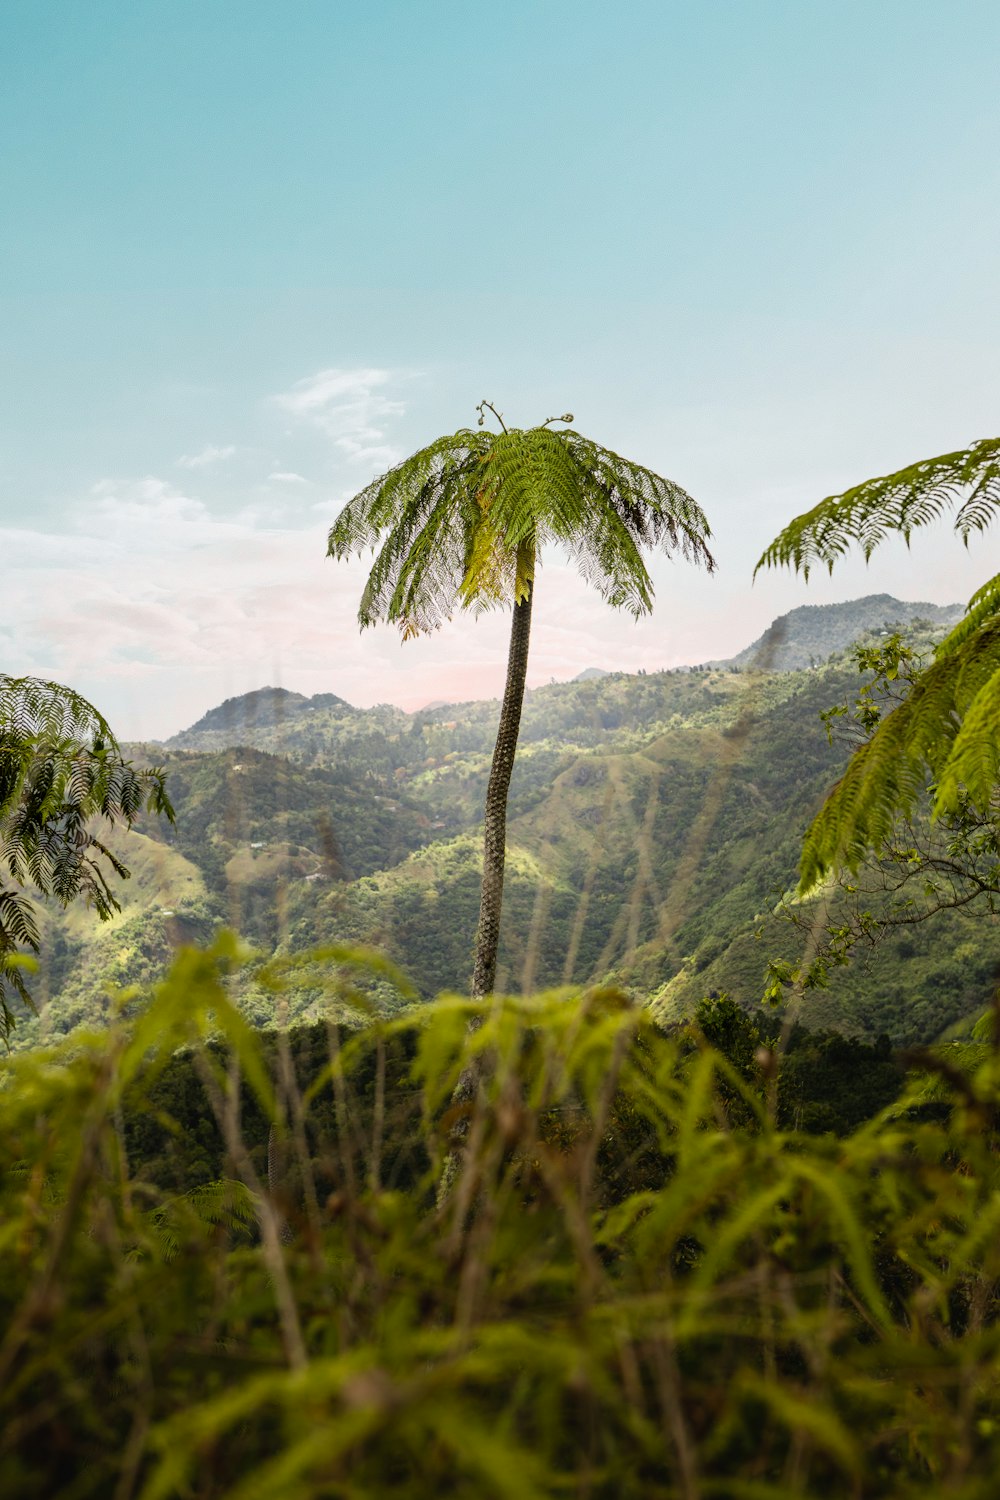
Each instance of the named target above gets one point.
<point>947,730</point>
<point>462,523</point>
<point>60,769</point>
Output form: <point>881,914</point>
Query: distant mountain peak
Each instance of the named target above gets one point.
<point>263,708</point>
<point>808,635</point>
<point>804,637</point>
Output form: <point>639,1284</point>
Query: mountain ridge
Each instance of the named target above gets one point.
<point>654,821</point>
<point>802,637</point>
<point>264,707</point>
<point>809,634</point>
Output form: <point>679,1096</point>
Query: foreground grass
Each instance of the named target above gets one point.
<point>637,1284</point>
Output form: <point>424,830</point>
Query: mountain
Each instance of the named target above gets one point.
<point>279,720</point>
<point>264,708</point>
<point>654,822</point>
<point>809,635</point>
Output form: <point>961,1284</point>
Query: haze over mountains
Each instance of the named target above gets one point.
<point>804,637</point>
<point>654,821</point>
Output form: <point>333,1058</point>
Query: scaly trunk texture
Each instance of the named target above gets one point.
<point>495,840</point>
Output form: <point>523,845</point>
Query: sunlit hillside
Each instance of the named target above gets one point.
<point>655,822</point>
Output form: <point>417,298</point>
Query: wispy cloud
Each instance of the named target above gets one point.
<point>156,607</point>
<point>286,476</point>
<point>152,587</point>
<point>352,407</point>
<point>207,456</point>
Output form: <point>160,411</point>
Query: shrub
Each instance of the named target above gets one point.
<point>637,1285</point>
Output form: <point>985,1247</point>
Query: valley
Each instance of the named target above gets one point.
<point>655,823</point>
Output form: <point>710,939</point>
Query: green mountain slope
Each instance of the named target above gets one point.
<point>165,903</point>
<point>807,636</point>
<point>654,822</point>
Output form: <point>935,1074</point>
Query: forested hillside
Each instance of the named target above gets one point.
<point>809,635</point>
<point>655,821</point>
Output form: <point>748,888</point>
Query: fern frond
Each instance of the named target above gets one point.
<point>33,706</point>
<point>982,607</point>
<point>972,769</point>
<point>60,769</point>
<point>449,524</point>
<point>17,919</point>
<point>896,503</point>
<point>225,1202</point>
<point>941,733</point>
<point>947,728</point>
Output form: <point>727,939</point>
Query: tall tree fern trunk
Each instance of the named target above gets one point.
<point>495,839</point>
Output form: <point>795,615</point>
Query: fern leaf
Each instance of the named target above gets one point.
<point>894,504</point>
<point>60,768</point>
<point>973,767</point>
<point>982,607</point>
<point>450,523</point>
<point>17,919</point>
<point>940,733</point>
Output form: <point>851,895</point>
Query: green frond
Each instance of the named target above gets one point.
<point>947,729</point>
<point>946,732</point>
<point>974,763</point>
<point>418,516</point>
<point>31,706</point>
<point>380,504</point>
<point>61,769</point>
<point>451,522</point>
<point>896,503</point>
<point>981,474</point>
<point>982,607</point>
<point>17,920</point>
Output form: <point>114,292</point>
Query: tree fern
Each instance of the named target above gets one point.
<point>462,524</point>
<point>451,517</point>
<point>947,732</point>
<point>61,769</point>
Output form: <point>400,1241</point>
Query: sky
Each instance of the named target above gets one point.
<point>254,254</point>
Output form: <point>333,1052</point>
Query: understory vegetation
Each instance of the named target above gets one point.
<point>232,1270</point>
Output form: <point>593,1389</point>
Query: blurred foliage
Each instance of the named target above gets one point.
<point>645,1281</point>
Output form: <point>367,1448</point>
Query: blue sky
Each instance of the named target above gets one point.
<point>252,253</point>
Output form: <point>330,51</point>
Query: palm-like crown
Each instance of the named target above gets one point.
<point>461,522</point>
